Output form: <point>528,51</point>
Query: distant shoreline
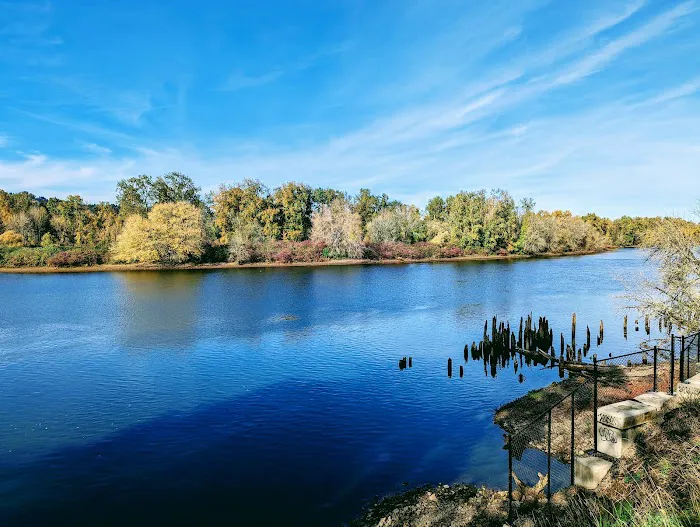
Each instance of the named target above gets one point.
<point>113,268</point>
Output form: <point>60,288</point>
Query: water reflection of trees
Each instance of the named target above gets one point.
<point>158,309</point>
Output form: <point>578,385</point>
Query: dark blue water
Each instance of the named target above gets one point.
<point>266,396</point>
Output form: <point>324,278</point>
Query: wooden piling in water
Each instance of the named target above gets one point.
<point>588,336</point>
<point>461,371</point>
<point>562,344</point>
<point>410,362</point>
<point>449,367</point>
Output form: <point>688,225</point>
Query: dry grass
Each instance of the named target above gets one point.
<point>657,487</point>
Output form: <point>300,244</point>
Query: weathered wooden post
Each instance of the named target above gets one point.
<point>520,334</point>
<point>410,362</point>
<point>656,353</point>
<point>573,330</point>
<point>588,336</point>
<point>449,367</point>
<point>562,344</point>
<point>461,371</point>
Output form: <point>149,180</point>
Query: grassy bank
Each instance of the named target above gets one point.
<point>110,267</point>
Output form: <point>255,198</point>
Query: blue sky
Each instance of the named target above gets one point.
<point>584,106</point>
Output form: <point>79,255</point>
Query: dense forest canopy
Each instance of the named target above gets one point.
<point>168,220</point>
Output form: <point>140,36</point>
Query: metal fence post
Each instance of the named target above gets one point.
<point>656,353</point>
<point>595,403</point>
<point>573,458</point>
<point>673,362</point>
<point>682,361</point>
<point>510,477</point>
<point>549,458</point>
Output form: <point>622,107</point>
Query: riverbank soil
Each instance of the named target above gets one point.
<point>442,505</point>
<point>228,265</point>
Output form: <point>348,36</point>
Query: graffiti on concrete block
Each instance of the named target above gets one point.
<point>608,419</point>
<point>607,435</point>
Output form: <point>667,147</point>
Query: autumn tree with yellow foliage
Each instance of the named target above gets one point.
<point>172,233</point>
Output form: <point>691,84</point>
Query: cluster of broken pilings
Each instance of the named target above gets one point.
<point>500,345</point>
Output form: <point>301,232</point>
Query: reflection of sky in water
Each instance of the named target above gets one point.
<point>272,383</point>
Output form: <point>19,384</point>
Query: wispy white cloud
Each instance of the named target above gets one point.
<point>655,27</point>
<point>239,80</point>
<point>96,149</point>
<point>26,37</point>
<point>689,88</point>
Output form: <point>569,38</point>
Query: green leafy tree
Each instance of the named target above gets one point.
<point>436,209</point>
<point>465,217</point>
<point>48,240</point>
<point>501,224</point>
<point>368,205</point>
<point>325,196</point>
<point>294,202</point>
<point>135,195</point>
<point>174,187</point>
<point>242,204</point>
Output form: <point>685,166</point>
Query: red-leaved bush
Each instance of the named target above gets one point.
<point>75,258</point>
<point>416,251</point>
<point>284,256</point>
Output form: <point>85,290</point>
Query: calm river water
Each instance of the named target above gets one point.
<point>266,396</point>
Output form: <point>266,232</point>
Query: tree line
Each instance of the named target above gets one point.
<point>167,220</point>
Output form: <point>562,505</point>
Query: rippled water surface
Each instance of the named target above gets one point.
<point>266,396</point>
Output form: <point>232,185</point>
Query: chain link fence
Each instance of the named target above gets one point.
<point>542,454</point>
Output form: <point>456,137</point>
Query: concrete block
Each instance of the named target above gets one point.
<point>613,441</point>
<point>626,414</point>
<point>659,401</point>
<point>686,390</point>
<point>695,379</point>
<point>590,471</point>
